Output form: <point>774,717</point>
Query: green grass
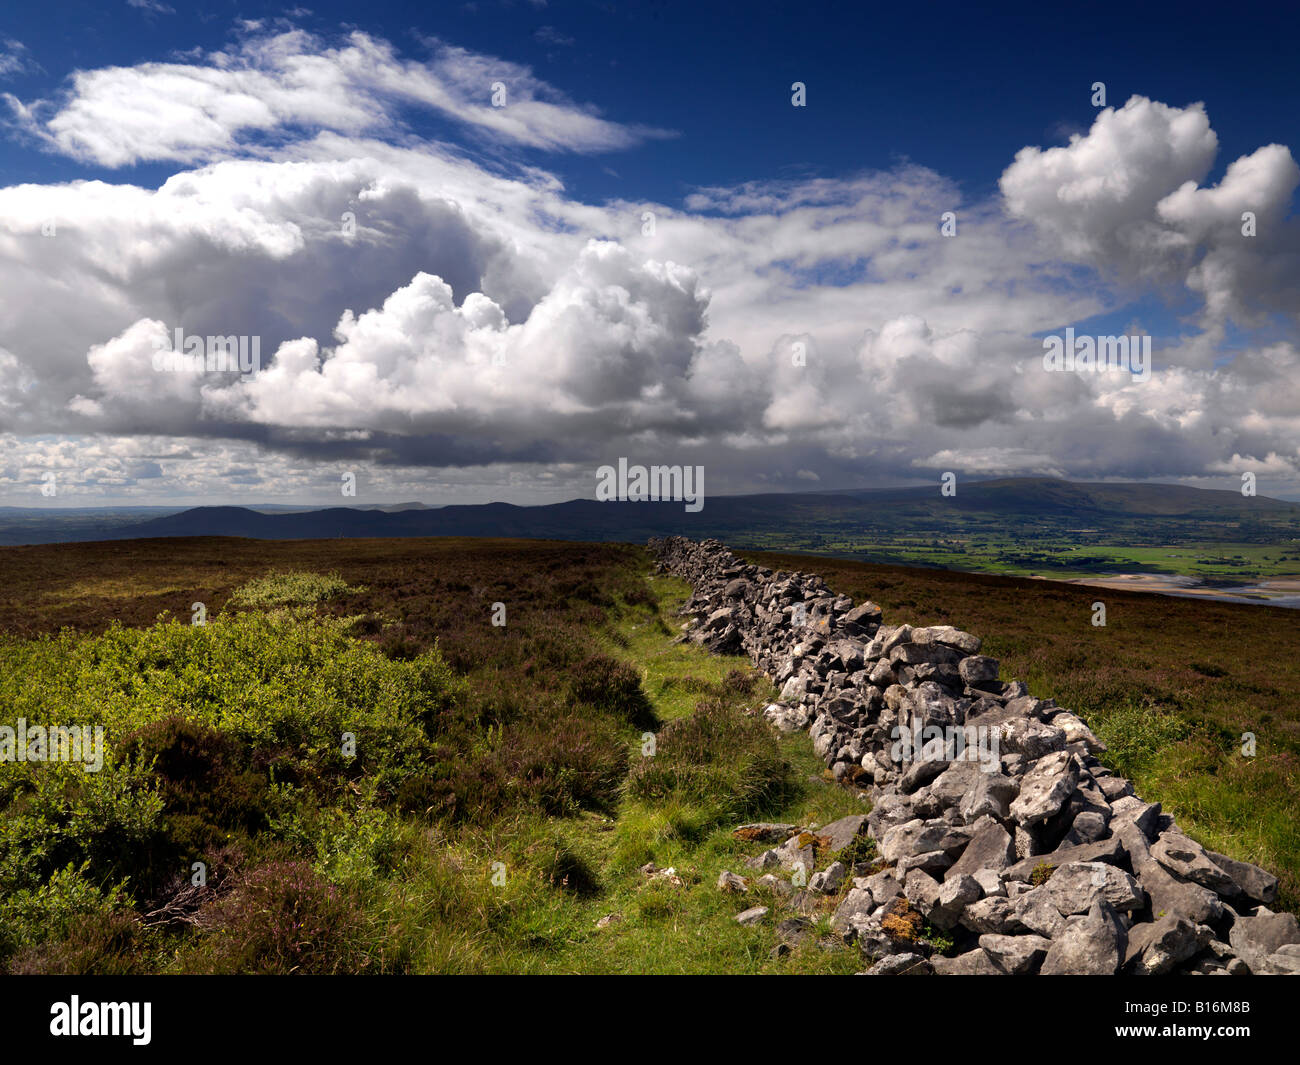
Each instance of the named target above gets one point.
<point>498,803</point>
<point>1068,557</point>
<point>518,750</point>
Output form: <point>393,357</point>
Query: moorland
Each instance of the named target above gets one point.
<point>507,783</point>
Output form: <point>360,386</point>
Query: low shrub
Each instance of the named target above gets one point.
<point>612,687</point>
<point>279,918</point>
<point>719,758</point>
<point>290,587</point>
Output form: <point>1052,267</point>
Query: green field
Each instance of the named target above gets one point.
<point>1063,558</point>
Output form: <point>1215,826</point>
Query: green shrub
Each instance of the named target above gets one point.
<point>290,587</point>
<point>279,682</point>
<point>612,687</point>
<point>54,815</point>
<point>32,917</point>
<point>98,943</point>
<point>1136,735</point>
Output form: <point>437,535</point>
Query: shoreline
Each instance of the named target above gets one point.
<point>1278,591</point>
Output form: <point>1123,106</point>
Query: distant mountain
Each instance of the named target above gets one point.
<point>1052,495</point>
<point>1037,505</point>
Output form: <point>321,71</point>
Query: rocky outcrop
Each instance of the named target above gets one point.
<point>994,820</point>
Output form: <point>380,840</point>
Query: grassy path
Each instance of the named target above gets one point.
<point>679,924</point>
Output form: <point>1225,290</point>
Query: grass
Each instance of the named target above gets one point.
<point>1065,558</point>
<point>497,802</point>
<point>502,797</point>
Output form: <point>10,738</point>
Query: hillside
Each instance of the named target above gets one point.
<point>519,744</point>
<point>1039,507</point>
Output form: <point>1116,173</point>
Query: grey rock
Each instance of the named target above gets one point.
<point>1131,809</point>
<point>858,903</point>
<point>952,637</point>
<point>901,965</point>
<point>1251,880</point>
<point>1030,737</point>
<point>844,831</point>
<point>1072,888</point>
<point>1279,964</point>
<point>917,837</point>
<point>830,880</point>
<point>1255,938</point>
<point>863,619</point>
<point>884,888</point>
<point>1015,955</point>
<point>936,863</point>
<point>1110,851</point>
<point>1088,946</point>
<point>794,929</point>
<point>1076,731</point>
<point>972,963</point>
<point>1088,827</point>
<point>752,916</point>
<point>1035,911</point>
<point>954,896</point>
<point>994,915</point>
<point>1114,787</point>
<point>979,671</point>
<point>792,853</point>
<point>1045,788</point>
<point>1155,947</point>
<point>1169,894</point>
<point>919,774</point>
<point>1187,858</point>
<point>990,794</point>
<point>787,718</point>
<point>775,885</point>
<point>922,890</point>
<point>991,847</point>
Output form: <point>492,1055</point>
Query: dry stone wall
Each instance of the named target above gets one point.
<point>992,814</point>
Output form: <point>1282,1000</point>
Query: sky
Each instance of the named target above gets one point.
<point>481,249</point>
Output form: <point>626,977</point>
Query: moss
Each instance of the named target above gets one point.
<point>903,923</point>
<point>1042,874</point>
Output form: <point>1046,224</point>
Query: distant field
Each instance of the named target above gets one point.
<point>1214,562</point>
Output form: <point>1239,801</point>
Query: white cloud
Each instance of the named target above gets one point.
<point>1127,198</point>
<point>273,84</point>
<point>482,328</point>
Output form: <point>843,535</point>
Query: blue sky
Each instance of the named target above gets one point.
<point>946,85</point>
<point>228,139</point>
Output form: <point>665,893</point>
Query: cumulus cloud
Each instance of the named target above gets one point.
<point>1127,198</point>
<point>482,331</point>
